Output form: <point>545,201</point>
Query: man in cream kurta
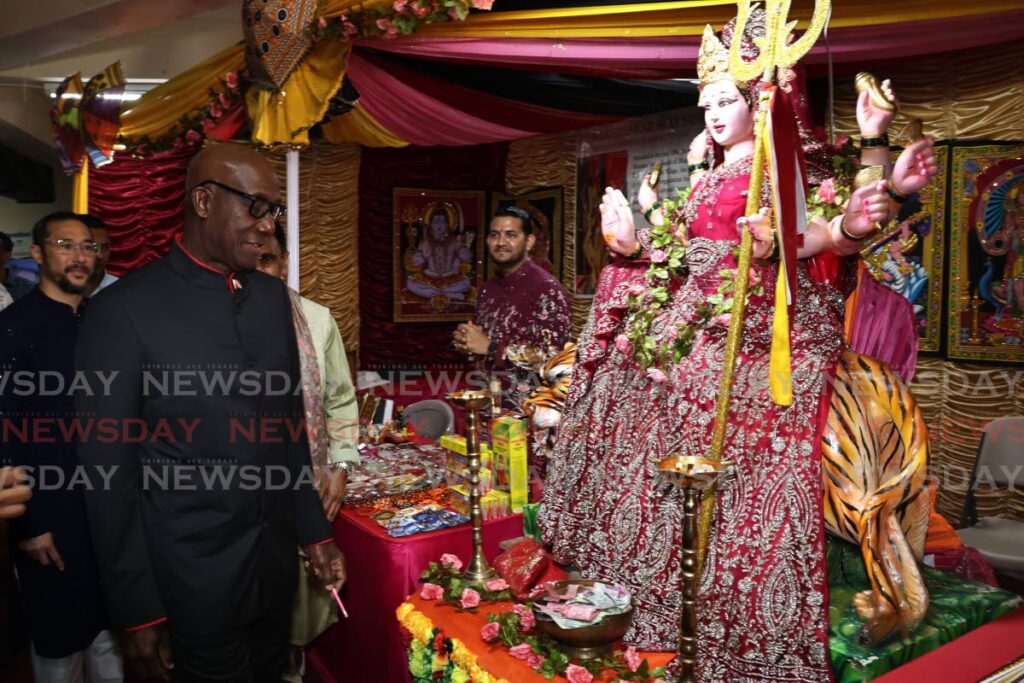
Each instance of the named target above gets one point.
<point>314,610</point>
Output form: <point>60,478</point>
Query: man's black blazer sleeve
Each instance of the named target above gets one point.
<point>109,343</point>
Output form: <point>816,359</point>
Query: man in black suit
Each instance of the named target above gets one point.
<point>197,532</point>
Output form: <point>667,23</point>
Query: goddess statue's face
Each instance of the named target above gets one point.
<point>439,226</point>
<point>726,114</point>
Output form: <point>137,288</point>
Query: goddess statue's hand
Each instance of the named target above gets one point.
<point>871,119</point>
<point>868,205</point>
<point>760,227</point>
<point>646,195</point>
<point>698,151</point>
<point>915,168</point>
<point>617,223</point>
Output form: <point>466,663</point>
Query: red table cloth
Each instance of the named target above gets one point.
<point>382,571</point>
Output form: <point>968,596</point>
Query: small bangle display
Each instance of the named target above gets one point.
<point>847,235</point>
<point>650,210</point>
<point>881,141</point>
<point>702,166</point>
<point>896,196</point>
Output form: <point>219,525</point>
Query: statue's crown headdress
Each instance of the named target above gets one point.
<point>712,60</point>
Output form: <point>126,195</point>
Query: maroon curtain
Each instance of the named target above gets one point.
<point>383,342</point>
<point>142,200</point>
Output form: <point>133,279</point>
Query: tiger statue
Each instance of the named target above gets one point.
<point>545,403</point>
<point>874,463</point>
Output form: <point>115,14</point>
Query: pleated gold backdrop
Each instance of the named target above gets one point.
<point>973,94</point>
<point>958,400</point>
<point>328,233</point>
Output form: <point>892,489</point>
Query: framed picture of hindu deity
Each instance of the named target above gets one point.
<point>909,258</point>
<point>438,249</point>
<point>545,208</point>
<point>986,265</point>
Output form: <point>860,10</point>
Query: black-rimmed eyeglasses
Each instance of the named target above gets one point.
<point>258,206</point>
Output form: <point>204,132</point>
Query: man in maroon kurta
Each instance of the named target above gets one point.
<point>522,313</point>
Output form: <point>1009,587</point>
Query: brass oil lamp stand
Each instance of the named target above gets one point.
<point>691,474</point>
<point>472,402</point>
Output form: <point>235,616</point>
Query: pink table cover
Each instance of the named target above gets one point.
<point>382,571</point>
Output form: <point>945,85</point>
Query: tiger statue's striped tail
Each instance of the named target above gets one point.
<point>874,460</point>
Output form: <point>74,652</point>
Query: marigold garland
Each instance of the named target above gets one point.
<point>458,659</point>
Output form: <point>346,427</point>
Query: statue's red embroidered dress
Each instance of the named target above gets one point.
<point>763,606</point>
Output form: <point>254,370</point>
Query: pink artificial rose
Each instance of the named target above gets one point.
<point>431,591</point>
<point>521,651</point>
<point>322,22</point>
<point>658,256</point>
<point>622,343</point>
<point>400,6</point>
<point>527,621</point>
<point>496,584</point>
<point>349,28</point>
<point>453,13</point>
<point>535,661</point>
<point>827,191</point>
<point>224,100</point>
<point>192,136</point>
<point>422,9</point>
<point>216,111</point>
<point>483,4</point>
<point>577,674</point>
<point>636,289</point>
<point>231,79</point>
<point>387,27</point>
<point>452,561</point>
<point>632,658</point>
<point>490,631</point>
<point>208,125</point>
<point>470,598</point>
<point>842,140</point>
<point>657,376</point>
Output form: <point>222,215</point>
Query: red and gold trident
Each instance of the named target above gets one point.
<point>776,51</point>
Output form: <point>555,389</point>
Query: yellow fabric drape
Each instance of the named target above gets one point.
<point>286,117</point>
<point>156,112</point>
<point>328,234</point>
<point>360,127</point>
<point>333,8</point>
<point>960,95</point>
<point>688,17</point>
<point>80,189</point>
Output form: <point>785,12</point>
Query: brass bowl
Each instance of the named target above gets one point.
<point>586,642</point>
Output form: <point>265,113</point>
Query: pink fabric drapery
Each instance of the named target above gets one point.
<point>676,57</point>
<point>419,118</point>
<point>884,327</point>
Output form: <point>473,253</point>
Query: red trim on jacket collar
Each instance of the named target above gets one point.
<point>229,278</point>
